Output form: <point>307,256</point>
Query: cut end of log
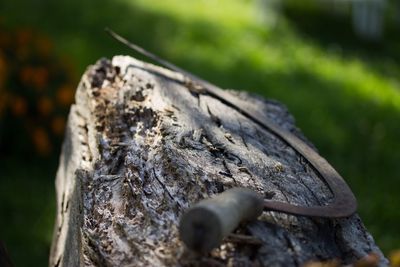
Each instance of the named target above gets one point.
<point>204,225</point>
<point>201,229</point>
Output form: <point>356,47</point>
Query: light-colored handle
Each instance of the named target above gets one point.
<point>204,225</point>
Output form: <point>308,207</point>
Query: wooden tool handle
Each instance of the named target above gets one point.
<point>204,225</point>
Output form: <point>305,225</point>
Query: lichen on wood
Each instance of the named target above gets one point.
<point>141,148</point>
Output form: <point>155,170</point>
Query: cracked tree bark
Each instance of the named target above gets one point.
<point>140,148</point>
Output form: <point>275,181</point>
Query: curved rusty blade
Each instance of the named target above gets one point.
<point>344,202</point>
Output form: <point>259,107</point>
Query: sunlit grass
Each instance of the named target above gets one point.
<point>240,36</point>
<point>226,13</point>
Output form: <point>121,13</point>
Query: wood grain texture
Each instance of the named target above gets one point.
<point>141,148</point>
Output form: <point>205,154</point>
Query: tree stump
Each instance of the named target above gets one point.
<point>140,148</point>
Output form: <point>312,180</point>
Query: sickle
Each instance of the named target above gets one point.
<point>344,203</point>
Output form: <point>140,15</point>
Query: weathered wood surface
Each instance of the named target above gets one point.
<point>140,148</point>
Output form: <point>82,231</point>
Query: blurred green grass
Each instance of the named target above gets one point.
<point>27,209</point>
<point>344,94</point>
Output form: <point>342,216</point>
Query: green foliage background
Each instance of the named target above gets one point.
<point>343,92</point>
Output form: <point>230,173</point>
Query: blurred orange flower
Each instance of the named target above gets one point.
<point>43,46</point>
<point>45,106</point>
<point>36,77</point>
<point>394,258</point>
<point>65,95</point>
<point>58,125</point>
<point>19,106</point>
<point>29,56</point>
<point>40,77</point>
<point>24,37</point>
<point>41,141</point>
